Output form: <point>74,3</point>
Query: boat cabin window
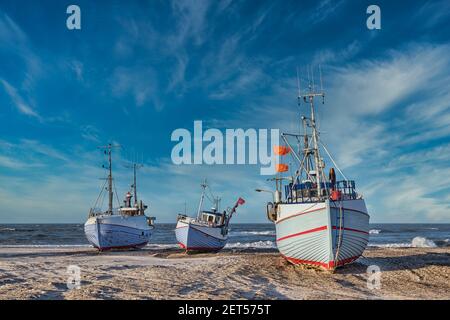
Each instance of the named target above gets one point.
<point>215,219</point>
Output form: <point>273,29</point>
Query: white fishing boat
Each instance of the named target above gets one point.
<point>208,231</point>
<point>319,220</point>
<point>125,227</point>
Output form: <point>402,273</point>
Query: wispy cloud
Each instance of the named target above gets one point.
<point>18,101</point>
<point>139,82</point>
<point>14,40</point>
<point>432,13</point>
<point>323,10</point>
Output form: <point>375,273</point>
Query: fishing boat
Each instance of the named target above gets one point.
<point>208,231</point>
<point>124,227</point>
<point>320,220</point>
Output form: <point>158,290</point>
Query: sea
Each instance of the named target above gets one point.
<point>241,236</point>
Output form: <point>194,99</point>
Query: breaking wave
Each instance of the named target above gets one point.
<point>421,242</point>
<point>45,246</point>
<point>251,245</point>
<point>160,246</point>
<point>374,231</point>
<point>253,233</point>
<point>7,229</point>
<point>391,245</point>
<point>417,242</point>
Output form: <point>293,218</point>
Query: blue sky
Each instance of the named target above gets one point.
<point>138,70</point>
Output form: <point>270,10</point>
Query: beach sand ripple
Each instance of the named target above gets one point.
<point>41,273</point>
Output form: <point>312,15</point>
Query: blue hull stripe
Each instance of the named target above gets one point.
<point>109,236</point>
<point>191,238</point>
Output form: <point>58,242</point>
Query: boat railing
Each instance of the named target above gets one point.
<point>98,211</point>
<point>307,191</point>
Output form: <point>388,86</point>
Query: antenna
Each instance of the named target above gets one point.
<point>202,197</point>
<point>321,84</point>
<point>309,77</point>
<point>135,166</point>
<point>108,151</point>
<point>309,98</point>
<point>320,75</point>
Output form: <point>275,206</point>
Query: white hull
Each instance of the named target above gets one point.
<point>107,232</point>
<point>193,236</point>
<point>314,233</point>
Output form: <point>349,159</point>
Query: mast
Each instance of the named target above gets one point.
<point>135,166</point>
<point>309,97</point>
<point>316,147</point>
<point>110,191</point>
<point>202,198</point>
<point>306,146</point>
<point>108,151</point>
<point>134,184</point>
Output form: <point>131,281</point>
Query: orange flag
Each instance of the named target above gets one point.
<point>281,150</point>
<point>282,167</point>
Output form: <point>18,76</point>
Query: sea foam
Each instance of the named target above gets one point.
<point>251,245</point>
<point>253,233</point>
<point>421,242</point>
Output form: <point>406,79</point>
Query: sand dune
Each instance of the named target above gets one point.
<point>41,273</point>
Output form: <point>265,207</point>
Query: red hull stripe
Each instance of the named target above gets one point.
<point>350,229</point>
<point>299,214</point>
<point>122,247</point>
<point>299,261</point>
<point>332,264</point>
<point>198,248</point>
<point>303,232</point>
<point>328,266</point>
<point>203,248</point>
<point>319,209</point>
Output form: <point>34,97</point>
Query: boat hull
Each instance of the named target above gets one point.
<point>109,232</point>
<point>324,234</point>
<point>194,237</point>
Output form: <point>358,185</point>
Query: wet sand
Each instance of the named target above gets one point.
<point>41,273</point>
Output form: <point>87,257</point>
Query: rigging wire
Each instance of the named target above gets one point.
<point>332,160</point>
<point>98,197</point>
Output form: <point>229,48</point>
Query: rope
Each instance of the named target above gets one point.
<point>98,197</point>
<point>341,229</point>
<point>117,196</point>
<point>102,199</point>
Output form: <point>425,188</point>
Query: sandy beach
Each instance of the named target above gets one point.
<point>41,273</point>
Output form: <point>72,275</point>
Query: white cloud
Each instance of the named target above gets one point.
<point>139,82</point>
<point>18,101</point>
<point>14,40</point>
<point>374,130</point>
